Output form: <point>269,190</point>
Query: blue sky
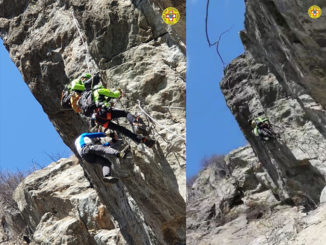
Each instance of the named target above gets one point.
<point>26,134</point>
<point>211,128</point>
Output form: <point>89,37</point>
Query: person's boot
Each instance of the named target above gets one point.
<point>138,124</point>
<point>141,129</point>
<point>110,179</point>
<point>148,142</point>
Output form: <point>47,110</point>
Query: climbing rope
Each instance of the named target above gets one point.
<point>83,41</point>
<point>216,43</point>
<point>173,107</point>
<point>156,122</point>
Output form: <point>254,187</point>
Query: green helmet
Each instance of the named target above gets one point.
<point>86,75</point>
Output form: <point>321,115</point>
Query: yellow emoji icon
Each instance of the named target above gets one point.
<point>171,16</point>
<point>314,12</point>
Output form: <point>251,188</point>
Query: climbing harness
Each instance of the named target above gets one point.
<point>103,116</point>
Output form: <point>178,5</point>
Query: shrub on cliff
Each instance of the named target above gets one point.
<point>8,183</point>
<point>217,162</point>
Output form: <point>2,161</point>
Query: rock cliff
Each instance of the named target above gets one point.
<point>62,207</point>
<point>282,76</point>
<point>127,42</point>
<point>235,203</point>
<point>278,78</point>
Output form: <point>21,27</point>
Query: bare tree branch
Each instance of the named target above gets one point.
<point>216,43</point>
<point>37,165</point>
<point>54,156</point>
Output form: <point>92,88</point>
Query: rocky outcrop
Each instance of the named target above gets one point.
<point>12,226</point>
<point>295,161</point>
<point>237,186</point>
<point>127,42</point>
<point>271,192</point>
<point>62,207</point>
<point>241,208</point>
<point>279,79</point>
<point>281,35</point>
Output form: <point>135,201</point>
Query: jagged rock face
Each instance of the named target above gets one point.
<point>295,161</point>
<point>132,49</point>
<point>217,199</point>
<point>12,226</point>
<point>61,207</point>
<point>278,77</point>
<point>281,35</point>
<point>241,208</point>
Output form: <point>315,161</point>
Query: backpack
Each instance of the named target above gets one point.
<point>86,103</point>
<point>67,93</point>
<point>102,96</point>
<point>260,121</point>
<point>74,101</point>
<point>65,99</point>
<point>91,82</point>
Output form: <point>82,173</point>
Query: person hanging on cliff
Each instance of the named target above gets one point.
<point>73,91</point>
<point>89,97</point>
<point>91,149</point>
<point>262,128</point>
<point>103,116</point>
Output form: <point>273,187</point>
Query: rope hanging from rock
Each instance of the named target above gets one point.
<point>216,43</point>
<point>156,122</point>
<point>83,41</point>
<point>173,107</point>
